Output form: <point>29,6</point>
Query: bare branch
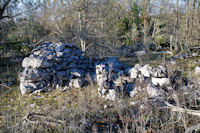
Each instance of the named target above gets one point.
<point>182,110</point>
<point>6,86</point>
<point>43,120</point>
<point>6,4</point>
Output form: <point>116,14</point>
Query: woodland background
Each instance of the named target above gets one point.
<point>173,24</point>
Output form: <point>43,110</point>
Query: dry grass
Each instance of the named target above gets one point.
<point>81,110</point>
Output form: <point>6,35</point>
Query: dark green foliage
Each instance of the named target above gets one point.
<point>130,27</point>
<point>162,41</point>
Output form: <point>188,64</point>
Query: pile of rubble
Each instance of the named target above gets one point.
<point>131,81</point>
<point>63,66</point>
<point>54,65</point>
<point>60,66</point>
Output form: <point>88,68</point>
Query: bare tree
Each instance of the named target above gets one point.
<point>145,15</point>
<point>176,27</point>
<point>187,24</point>
<point>3,7</point>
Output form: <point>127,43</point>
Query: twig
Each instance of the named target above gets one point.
<point>9,89</point>
<point>38,42</point>
<point>182,110</point>
<point>6,86</point>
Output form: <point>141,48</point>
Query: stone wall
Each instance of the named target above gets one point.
<point>63,66</point>
<point>131,81</point>
<point>54,65</point>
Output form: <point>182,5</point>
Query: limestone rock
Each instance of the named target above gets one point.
<point>159,72</point>
<point>59,54</point>
<point>153,91</point>
<point>59,47</point>
<point>112,95</point>
<point>194,54</point>
<point>197,70</point>
<point>76,83</point>
<point>160,81</point>
<point>26,87</point>
<point>137,66</point>
<point>34,74</point>
<point>139,53</point>
<point>134,73</point>
<point>36,63</point>
<point>146,70</point>
<point>101,75</point>
<point>102,91</point>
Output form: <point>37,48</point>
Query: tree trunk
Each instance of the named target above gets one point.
<point>177,26</point>
<point>145,21</point>
<point>187,26</point>
<point>191,14</point>
<point>197,14</point>
<point>3,8</point>
<point>102,31</point>
<point>171,43</point>
<point>154,30</point>
<point>82,40</point>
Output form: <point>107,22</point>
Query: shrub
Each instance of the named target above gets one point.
<point>25,49</point>
<point>162,41</point>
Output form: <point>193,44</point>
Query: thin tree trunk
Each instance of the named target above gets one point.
<point>192,4</point>
<point>154,30</point>
<point>182,49</point>
<point>187,26</point>
<point>197,14</point>
<point>171,43</point>
<point>102,31</point>
<point>81,32</point>
<point>145,21</point>
<point>177,25</point>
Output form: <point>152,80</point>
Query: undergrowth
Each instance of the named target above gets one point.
<point>82,110</point>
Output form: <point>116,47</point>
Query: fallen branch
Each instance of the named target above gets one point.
<point>37,119</point>
<point>40,119</point>
<point>38,42</point>
<point>196,127</point>
<point>182,110</point>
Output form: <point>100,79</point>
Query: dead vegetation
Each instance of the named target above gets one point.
<point>81,110</point>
